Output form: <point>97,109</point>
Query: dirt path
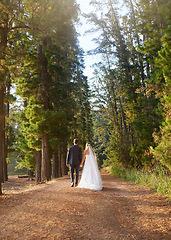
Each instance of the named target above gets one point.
<point>57,211</point>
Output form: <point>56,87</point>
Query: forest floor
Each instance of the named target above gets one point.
<point>122,210</point>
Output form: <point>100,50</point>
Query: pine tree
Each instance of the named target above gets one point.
<point>52,84</point>
<point>162,152</point>
<point>129,47</point>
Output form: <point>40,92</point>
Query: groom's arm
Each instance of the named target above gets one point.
<point>80,155</point>
<point>67,159</point>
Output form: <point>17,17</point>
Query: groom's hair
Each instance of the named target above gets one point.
<point>75,141</point>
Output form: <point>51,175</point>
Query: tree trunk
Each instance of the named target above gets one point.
<point>31,174</point>
<point>1,130</point>
<point>38,166</point>
<point>64,155</point>
<point>45,167</point>
<point>60,161</point>
<point>5,168</point>
<point>5,159</point>
<point>4,146</point>
<point>123,118</point>
<point>0,188</point>
<point>58,165</point>
<point>3,44</point>
<point>138,41</point>
<point>6,137</point>
<point>4,155</point>
<point>55,164</point>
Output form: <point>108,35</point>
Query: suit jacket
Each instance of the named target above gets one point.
<point>74,156</point>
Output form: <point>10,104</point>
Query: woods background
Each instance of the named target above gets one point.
<point>45,99</point>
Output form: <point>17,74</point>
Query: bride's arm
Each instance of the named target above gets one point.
<point>84,154</point>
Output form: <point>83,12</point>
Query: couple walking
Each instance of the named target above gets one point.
<point>90,176</point>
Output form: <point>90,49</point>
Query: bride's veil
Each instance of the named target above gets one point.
<point>91,177</point>
<point>92,153</point>
<point>92,156</point>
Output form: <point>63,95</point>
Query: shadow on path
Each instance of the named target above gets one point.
<point>54,210</point>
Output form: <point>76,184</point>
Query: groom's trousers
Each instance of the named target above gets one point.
<point>76,168</point>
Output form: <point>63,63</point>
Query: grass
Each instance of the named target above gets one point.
<point>157,180</point>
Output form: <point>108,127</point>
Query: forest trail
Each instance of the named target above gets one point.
<point>54,210</point>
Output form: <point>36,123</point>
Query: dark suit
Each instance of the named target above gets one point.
<point>74,158</point>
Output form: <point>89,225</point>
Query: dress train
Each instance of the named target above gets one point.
<point>91,177</point>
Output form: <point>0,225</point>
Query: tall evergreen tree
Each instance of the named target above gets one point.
<point>52,84</point>
<point>162,152</point>
<point>126,80</point>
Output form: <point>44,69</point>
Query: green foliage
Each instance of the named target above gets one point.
<point>100,136</point>
<point>157,180</point>
<point>132,82</point>
<point>162,152</point>
<point>12,166</point>
<point>25,154</point>
<point>48,76</point>
<point>118,149</point>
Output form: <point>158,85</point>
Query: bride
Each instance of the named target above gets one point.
<point>91,177</point>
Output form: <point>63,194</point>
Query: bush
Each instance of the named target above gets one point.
<point>157,180</point>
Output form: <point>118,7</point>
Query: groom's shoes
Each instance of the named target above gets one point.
<point>72,184</point>
<point>76,184</point>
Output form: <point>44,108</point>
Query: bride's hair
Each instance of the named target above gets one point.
<point>87,146</point>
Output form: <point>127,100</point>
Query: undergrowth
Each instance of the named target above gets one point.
<point>157,179</point>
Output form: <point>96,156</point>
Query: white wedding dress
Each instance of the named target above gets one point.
<point>91,177</point>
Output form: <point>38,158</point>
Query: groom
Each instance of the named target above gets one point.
<point>74,158</point>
